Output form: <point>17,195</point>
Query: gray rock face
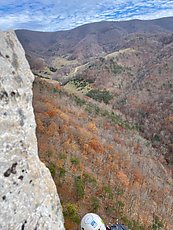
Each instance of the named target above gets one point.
<point>28,196</point>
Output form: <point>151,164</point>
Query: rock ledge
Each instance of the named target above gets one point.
<point>28,196</point>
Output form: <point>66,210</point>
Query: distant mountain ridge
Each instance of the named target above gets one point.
<point>108,36</point>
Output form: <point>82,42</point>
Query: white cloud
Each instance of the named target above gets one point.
<point>51,15</point>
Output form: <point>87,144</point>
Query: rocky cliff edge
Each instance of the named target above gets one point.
<point>28,196</point>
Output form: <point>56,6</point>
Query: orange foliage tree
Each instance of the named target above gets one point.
<point>123,178</point>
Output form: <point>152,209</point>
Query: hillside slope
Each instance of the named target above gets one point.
<point>107,68</point>
<point>99,161</point>
<point>138,81</point>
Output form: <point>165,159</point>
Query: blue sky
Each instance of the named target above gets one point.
<point>54,15</point>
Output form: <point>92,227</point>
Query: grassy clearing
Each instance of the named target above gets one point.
<point>60,62</point>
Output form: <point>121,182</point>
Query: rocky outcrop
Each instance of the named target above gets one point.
<point>28,196</point>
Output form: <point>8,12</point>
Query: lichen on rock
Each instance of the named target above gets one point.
<point>28,196</point>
